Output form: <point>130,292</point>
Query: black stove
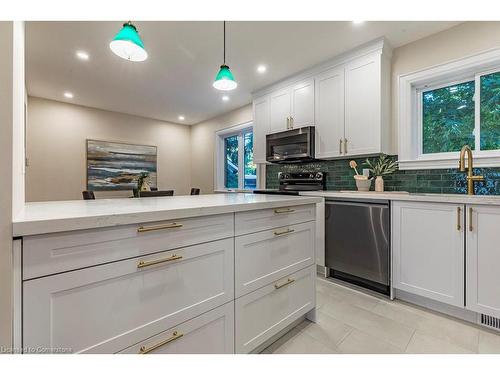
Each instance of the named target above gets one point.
<point>293,183</point>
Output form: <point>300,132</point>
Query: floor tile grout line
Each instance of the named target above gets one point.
<point>408,344</point>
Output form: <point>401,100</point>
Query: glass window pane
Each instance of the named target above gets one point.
<point>231,162</point>
<point>250,167</point>
<point>448,118</point>
<point>490,111</point>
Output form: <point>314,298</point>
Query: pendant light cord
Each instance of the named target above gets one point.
<point>224,42</point>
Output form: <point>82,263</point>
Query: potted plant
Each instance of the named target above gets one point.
<point>142,183</point>
<point>382,167</point>
<point>363,183</point>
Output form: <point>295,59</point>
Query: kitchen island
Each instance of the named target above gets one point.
<point>224,273</point>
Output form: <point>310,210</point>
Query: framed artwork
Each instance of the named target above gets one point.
<point>116,166</point>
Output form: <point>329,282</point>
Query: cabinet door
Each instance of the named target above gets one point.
<point>483,260</point>
<point>363,105</point>
<point>265,312</point>
<point>280,103</point>
<point>329,113</point>
<point>303,104</point>
<point>260,128</point>
<point>428,250</point>
<point>210,333</point>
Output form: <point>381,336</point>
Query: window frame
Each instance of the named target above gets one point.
<point>411,87</point>
<point>240,130</point>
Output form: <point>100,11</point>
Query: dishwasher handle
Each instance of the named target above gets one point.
<point>359,204</point>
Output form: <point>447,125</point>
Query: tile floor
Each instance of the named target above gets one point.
<point>350,321</point>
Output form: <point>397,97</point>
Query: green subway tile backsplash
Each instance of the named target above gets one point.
<point>340,177</point>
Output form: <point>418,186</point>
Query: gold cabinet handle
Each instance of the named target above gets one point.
<point>143,264</point>
<point>459,211</point>
<point>283,211</point>
<point>287,231</point>
<point>471,228</point>
<point>159,227</point>
<point>345,145</point>
<point>340,146</point>
<point>288,123</point>
<point>291,122</point>
<point>176,335</point>
<point>278,286</point>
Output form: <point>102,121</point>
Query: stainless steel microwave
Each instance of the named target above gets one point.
<point>294,145</point>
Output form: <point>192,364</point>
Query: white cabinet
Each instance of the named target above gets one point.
<point>210,333</point>
<point>302,96</point>
<point>483,260</point>
<point>428,250</point>
<point>260,128</point>
<point>266,311</point>
<point>363,106</point>
<point>265,256</point>
<point>292,107</point>
<point>347,99</point>
<point>106,308</point>
<point>280,107</point>
<point>329,99</point>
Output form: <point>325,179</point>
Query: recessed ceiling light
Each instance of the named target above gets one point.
<point>68,95</point>
<point>225,98</point>
<point>82,55</point>
<point>261,68</point>
<point>181,118</point>
<point>358,22</point>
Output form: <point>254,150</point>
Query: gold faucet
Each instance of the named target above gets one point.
<point>470,173</point>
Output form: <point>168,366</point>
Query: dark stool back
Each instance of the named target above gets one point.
<point>88,194</point>
<point>157,193</point>
<point>195,191</point>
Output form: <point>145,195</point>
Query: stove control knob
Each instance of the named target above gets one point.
<point>319,176</point>
<point>311,176</point>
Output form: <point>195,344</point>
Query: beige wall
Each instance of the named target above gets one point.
<point>6,117</point>
<point>203,146</point>
<point>459,41</point>
<point>56,148</point>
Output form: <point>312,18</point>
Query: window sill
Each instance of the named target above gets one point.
<point>447,163</point>
<point>233,191</point>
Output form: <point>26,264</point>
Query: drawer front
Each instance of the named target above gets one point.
<point>261,258</point>
<point>107,308</point>
<point>210,333</point>
<point>255,221</point>
<point>262,314</point>
<point>59,252</point>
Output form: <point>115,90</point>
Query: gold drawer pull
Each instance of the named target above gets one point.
<point>143,264</point>
<point>276,233</point>
<point>159,227</point>
<point>289,281</point>
<point>471,228</point>
<point>459,211</point>
<point>175,336</point>
<point>283,211</point>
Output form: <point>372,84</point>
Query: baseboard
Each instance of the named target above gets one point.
<point>443,308</point>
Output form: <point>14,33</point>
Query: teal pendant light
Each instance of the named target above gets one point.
<point>128,44</point>
<point>225,80</point>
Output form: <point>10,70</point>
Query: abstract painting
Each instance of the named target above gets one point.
<point>116,166</point>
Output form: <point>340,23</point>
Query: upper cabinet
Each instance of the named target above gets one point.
<point>292,107</point>
<point>347,99</point>
<point>260,117</point>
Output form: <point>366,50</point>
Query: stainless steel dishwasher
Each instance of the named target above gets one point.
<point>357,242</point>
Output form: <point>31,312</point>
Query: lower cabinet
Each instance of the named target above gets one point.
<point>106,308</point>
<point>428,250</point>
<point>210,333</point>
<point>263,313</point>
<point>483,260</point>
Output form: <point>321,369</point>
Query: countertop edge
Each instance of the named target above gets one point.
<point>46,226</point>
<point>411,197</point>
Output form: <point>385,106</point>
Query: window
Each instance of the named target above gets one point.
<point>235,167</point>
<point>449,106</point>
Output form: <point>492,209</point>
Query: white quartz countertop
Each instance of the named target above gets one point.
<point>403,196</point>
<point>50,217</point>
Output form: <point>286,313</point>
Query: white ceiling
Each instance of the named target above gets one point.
<point>184,58</point>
